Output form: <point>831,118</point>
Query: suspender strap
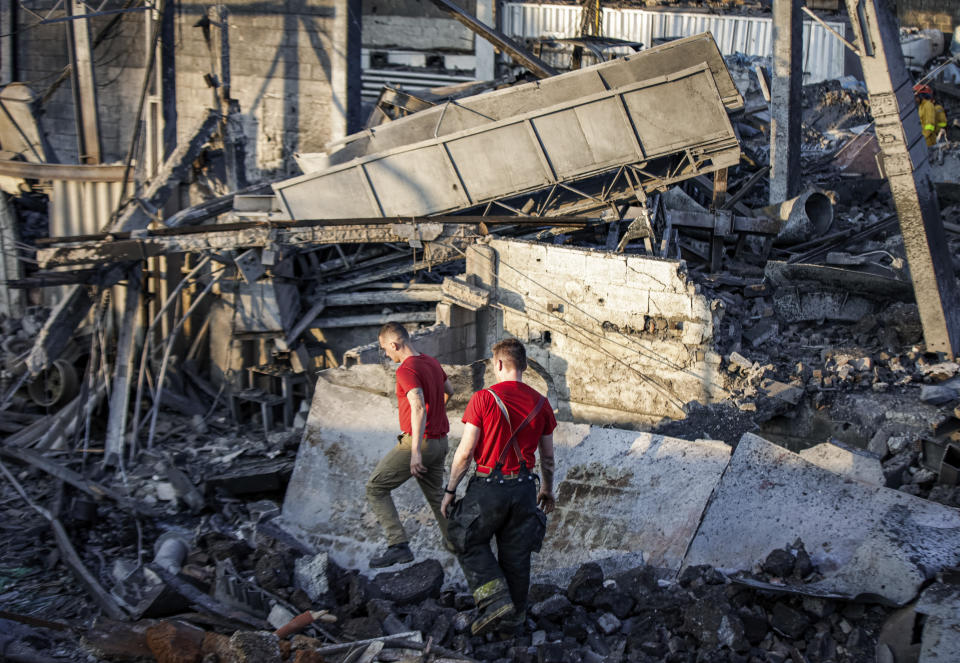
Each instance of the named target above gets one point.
<point>512,443</point>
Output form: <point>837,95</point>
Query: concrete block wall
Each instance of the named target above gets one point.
<point>118,67</point>
<point>414,24</point>
<point>452,340</point>
<point>281,66</point>
<point>625,340</point>
<point>941,15</point>
<point>285,62</point>
<point>381,31</point>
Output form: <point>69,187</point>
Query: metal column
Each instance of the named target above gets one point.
<point>84,85</point>
<point>482,48</point>
<point>906,162</point>
<point>8,41</point>
<point>785,111</point>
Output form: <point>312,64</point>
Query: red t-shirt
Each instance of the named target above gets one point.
<point>425,372</point>
<point>484,413</point>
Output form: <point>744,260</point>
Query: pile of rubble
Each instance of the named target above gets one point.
<point>636,615</point>
<point>174,540</point>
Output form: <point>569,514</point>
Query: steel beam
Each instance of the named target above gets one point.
<point>8,41</point>
<point>60,171</point>
<point>785,111</point>
<point>84,84</point>
<point>906,162</point>
<point>126,247</point>
<point>537,66</point>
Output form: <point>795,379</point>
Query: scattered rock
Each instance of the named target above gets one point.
<point>779,563</point>
<point>311,574</point>
<point>586,582</point>
<point>787,621</point>
<point>412,584</point>
<point>554,608</point>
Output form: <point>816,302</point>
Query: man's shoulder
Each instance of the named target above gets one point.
<point>421,361</point>
<point>516,389</point>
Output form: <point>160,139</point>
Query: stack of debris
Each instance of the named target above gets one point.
<point>147,416</point>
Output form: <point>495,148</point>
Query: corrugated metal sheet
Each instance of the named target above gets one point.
<point>373,81</point>
<point>822,52</point>
<point>81,207</point>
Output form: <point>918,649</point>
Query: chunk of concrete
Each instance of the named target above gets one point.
<point>630,496</point>
<point>867,541</point>
<point>413,584</point>
<point>311,575</point>
<point>846,461</point>
<point>939,394</point>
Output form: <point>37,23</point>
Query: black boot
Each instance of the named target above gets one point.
<point>492,616</point>
<point>395,554</point>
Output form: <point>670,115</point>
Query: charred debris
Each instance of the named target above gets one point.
<point>159,376</point>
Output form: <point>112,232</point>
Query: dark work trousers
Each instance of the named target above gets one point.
<point>507,511</point>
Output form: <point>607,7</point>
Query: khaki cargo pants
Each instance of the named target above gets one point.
<point>393,470</point>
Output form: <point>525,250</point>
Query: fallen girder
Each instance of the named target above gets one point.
<point>123,247</point>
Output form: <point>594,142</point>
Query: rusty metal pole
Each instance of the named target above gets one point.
<point>906,162</point>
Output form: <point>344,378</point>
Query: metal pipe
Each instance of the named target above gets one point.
<point>170,551</point>
<point>807,216</point>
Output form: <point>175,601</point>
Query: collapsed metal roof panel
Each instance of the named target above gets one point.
<point>501,104</point>
<point>677,111</point>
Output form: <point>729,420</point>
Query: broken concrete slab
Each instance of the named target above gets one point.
<point>846,461</point>
<point>622,494</point>
<point>805,292</point>
<point>867,541</point>
<point>941,632</point>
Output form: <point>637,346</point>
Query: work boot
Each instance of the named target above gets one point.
<point>512,626</point>
<point>395,554</point>
<point>492,616</point>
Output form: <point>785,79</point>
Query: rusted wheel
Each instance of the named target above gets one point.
<point>54,386</point>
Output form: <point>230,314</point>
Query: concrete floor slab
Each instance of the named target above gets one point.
<point>620,491</point>
<point>622,494</point>
<point>867,541</point>
<point>847,461</point>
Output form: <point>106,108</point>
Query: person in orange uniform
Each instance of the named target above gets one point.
<point>933,119</point>
<point>504,426</point>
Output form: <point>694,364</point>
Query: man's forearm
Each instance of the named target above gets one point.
<point>458,469</point>
<point>418,425</point>
<point>547,467</point>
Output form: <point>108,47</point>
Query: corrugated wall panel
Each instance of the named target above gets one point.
<point>822,52</point>
<point>81,208</point>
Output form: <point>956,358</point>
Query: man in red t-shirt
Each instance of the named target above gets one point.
<point>504,426</point>
<point>422,393</point>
